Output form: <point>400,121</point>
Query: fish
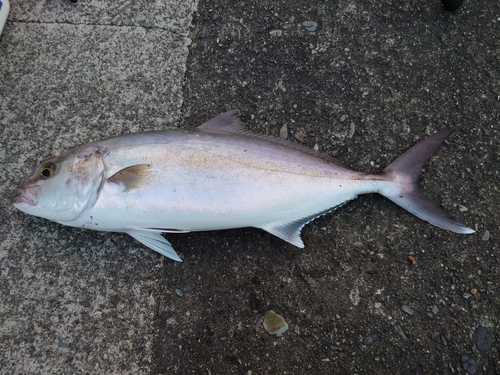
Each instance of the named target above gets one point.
<point>219,175</point>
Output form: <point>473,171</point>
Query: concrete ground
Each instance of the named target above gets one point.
<point>73,301</point>
<point>362,81</point>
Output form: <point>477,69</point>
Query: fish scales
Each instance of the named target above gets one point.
<point>217,181</point>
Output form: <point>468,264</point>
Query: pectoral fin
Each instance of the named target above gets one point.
<point>156,242</point>
<point>132,177</point>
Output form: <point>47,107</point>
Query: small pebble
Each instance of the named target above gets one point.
<point>407,309</point>
<point>284,131</point>
<point>435,309</point>
<point>354,297</point>
<point>179,292</point>
<point>310,25</point>
<point>483,339</point>
<point>274,323</point>
<point>486,235</point>
<point>473,291</point>
<point>301,135</point>
<point>378,305</point>
<point>370,340</point>
<point>436,337</point>
<point>461,208</point>
<point>469,364</point>
<point>399,330</point>
<point>276,32</point>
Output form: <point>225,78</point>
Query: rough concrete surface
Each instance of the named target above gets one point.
<point>394,72</point>
<point>375,291</point>
<point>73,301</point>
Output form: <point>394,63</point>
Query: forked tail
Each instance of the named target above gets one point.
<point>405,171</point>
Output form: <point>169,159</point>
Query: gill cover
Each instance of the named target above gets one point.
<point>63,187</point>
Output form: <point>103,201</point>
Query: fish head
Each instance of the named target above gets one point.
<point>61,188</point>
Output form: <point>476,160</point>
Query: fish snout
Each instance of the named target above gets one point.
<point>29,194</point>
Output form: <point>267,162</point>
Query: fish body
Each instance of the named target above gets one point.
<point>217,176</point>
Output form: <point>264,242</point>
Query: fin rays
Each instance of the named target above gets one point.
<point>156,242</point>
<point>132,177</point>
<point>289,231</point>
<point>405,171</point>
<point>230,122</point>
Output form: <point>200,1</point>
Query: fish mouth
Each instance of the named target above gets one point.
<point>29,195</point>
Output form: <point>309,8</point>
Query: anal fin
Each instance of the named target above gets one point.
<point>156,242</point>
<point>289,231</point>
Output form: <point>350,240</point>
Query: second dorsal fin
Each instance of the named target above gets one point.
<point>230,122</point>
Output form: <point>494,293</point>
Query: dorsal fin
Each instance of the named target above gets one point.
<point>227,122</point>
<point>230,122</point>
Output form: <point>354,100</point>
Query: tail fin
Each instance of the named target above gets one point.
<point>406,171</point>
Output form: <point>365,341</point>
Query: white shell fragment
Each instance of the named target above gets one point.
<point>274,323</point>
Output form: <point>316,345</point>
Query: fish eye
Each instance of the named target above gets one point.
<point>47,170</point>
